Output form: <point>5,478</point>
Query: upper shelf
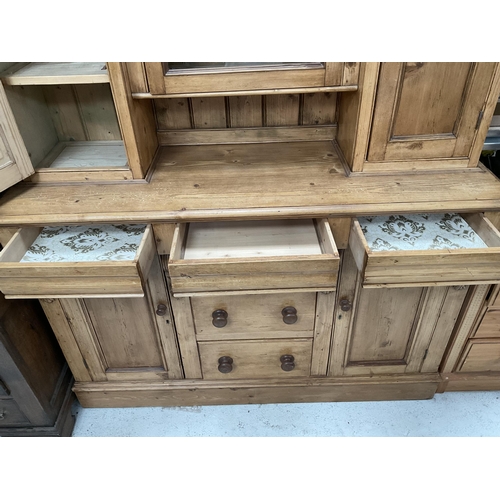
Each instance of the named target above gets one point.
<point>56,73</point>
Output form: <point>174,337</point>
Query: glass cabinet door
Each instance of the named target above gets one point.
<point>188,78</point>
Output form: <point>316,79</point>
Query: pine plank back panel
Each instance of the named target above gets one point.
<point>246,111</point>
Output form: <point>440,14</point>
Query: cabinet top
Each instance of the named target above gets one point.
<point>250,181</point>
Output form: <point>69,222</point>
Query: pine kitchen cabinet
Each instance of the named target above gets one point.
<point>311,232</point>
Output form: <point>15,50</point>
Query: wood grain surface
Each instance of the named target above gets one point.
<point>251,181</point>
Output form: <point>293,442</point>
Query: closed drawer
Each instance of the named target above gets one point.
<point>253,255</point>
<point>255,359</point>
<point>77,261</point>
<point>11,415</point>
<point>231,317</point>
<point>481,356</point>
<point>426,250</point>
<point>496,302</point>
<point>490,325</point>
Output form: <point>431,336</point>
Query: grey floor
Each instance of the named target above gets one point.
<point>451,414</point>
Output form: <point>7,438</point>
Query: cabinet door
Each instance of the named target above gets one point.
<point>15,164</point>
<point>189,78</point>
<point>429,110</point>
<point>119,338</point>
<point>390,330</point>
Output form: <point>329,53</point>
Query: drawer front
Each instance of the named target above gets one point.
<point>446,249</point>
<point>490,325</point>
<point>254,316</point>
<point>262,255</point>
<point>88,261</point>
<point>255,359</point>
<point>496,302</point>
<point>481,357</point>
<point>11,415</point>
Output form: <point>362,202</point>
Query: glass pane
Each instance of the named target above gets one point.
<point>238,66</point>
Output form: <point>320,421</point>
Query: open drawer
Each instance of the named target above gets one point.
<point>253,255</point>
<point>77,261</point>
<point>426,250</point>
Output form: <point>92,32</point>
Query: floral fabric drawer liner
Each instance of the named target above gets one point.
<point>419,232</point>
<point>105,242</point>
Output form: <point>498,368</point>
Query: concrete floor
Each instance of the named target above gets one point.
<point>451,414</point>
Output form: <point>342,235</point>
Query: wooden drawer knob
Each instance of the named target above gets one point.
<point>287,362</point>
<point>161,309</point>
<point>219,318</point>
<point>225,364</point>
<point>345,305</point>
<point>289,315</point>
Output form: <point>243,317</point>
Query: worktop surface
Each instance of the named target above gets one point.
<point>250,181</point>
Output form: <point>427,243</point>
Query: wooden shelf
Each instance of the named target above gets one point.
<point>56,73</point>
<point>84,155</point>
<point>252,182</point>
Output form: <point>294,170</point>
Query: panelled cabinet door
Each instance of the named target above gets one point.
<point>390,330</point>
<point>120,339</point>
<point>429,110</point>
<point>15,164</point>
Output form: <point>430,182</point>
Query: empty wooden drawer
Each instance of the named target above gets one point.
<point>253,316</point>
<point>256,358</point>
<point>253,255</point>
<point>426,250</point>
<point>77,261</point>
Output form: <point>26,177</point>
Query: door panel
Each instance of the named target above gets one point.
<point>15,164</point>
<point>428,110</point>
<point>390,330</point>
<point>384,324</point>
<point>120,339</point>
<point>424,108</point>
<point>126,333</point>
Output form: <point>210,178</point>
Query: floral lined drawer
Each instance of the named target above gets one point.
<point>419,232</point>
<point>425,249</point>
<point>109,260</point>
<point>85,243</point>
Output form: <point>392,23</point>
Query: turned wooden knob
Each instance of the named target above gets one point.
<point>225,364</point>
<point>289,315</point>
<point>345,305</point>
<point>287,362</point>
<point>219,318</point>
<point>161,309</point>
